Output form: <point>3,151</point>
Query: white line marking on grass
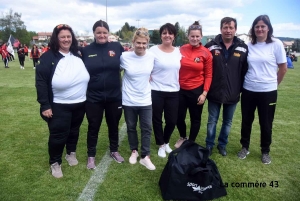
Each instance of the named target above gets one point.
<point>99,174</point>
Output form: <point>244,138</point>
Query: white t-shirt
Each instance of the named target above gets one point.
<point>165,74</point>
<point>136,88</point>
<point>263,60</point>
<point>70,80</point>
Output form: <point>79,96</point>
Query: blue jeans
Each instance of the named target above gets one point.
<point>213,116</point>
<point>144,115</point>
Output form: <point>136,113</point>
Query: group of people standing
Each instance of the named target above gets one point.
<point>164,81</point>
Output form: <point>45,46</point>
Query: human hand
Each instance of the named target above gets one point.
<point>47,113</point>
<point>201,99</point>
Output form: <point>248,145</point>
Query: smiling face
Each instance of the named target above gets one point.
<point>261,30</point>
<point>167,37</point>
<point>195,37</point>
<point>228,31</point>
<point>101,35</point>
<point>140,45</point>
<point>65,40</point>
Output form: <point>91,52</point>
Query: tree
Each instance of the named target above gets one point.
<point>126,32</point>
<point>296,45</point>
<point>181,38</point>
<point>155,38</point>
<point>177,27</point>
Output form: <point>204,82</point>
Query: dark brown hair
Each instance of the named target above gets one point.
<point>227,20</point>
<point>169,27</point>
<point>266,20</point>
<point>100,23</point>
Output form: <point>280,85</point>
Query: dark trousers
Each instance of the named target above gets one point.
<point>167,103</point>
<point>35,61</point>
<point>144,115</point>
<point>188,101</point>
<point>265,102</point>
<point>5,60</point>
<point>21,60</point>
<point>64,129</point>
<point>94,114</point>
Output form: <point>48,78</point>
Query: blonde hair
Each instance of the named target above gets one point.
<point>141,33</point>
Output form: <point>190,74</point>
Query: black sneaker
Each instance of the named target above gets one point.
<point>222,150</point>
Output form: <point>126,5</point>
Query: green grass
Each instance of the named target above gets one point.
<point>24,169</point>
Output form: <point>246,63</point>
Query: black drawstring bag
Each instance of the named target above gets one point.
<point>190,175</point>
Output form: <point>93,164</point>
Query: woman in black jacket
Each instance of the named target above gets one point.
<point>21,55</point>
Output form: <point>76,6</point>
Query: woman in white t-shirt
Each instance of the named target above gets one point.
<point>165,87</point>
<point>267,67</point>
<point>136,96</point>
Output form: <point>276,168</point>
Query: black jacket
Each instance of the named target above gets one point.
<point>228,76</point>
<point>103,64</point>
<point>43,77</point>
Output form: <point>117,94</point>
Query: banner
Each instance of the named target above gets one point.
<point>14,42</point>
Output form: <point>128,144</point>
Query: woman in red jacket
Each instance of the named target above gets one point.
<point>195,76</point>
<point>34,55</point>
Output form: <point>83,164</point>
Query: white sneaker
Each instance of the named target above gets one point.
<point>168,148</point>
<point>133,157</point>
<point>72,160</point>
<point>162,151</point>
<point>147,163</point>
<point>33,68</point>
<point>55,169</point>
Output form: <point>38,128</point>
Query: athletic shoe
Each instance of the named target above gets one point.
<point>179,142</point>
<point>55,169</point>
<point>33,68</point>
<point>91,163</point>
<point>162,151</point>
<point>133,157</point>
<point>147,163</point>
<point>243,153</point>
<point>72,160</point>
<point>266,159</point>
<point>168,148</point>
<point>117,157</point>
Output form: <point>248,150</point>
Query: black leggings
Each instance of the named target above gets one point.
<point>35,61</point>
<point>21,60</point>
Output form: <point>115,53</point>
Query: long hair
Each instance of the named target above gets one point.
<point>54,42</point>
<point>266,20</point>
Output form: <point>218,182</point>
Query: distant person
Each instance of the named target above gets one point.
<point>102,60</point>
<point>25,50</point>
<point>165,87</point>
<point>229,69</point>
<point>21,55</point>
<point>136,96</point>
<point>4,54</point>
<point>267,67</point>
<point>35,55</point>
<point>61,84</point>
<point>10,51</point>
<point>289,61</point>
<point>195,76</point>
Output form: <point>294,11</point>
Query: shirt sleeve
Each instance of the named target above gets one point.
<point>208,71</point>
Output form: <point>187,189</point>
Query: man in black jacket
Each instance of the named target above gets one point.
<point>229,68</point>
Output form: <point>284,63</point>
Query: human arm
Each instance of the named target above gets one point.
<point>282,68</point>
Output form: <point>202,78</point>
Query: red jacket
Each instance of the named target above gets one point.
<point>35,54</point>
<point>196,67</point>
<point>3,52</point>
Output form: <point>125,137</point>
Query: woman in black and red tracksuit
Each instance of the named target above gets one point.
<point>21,55</point>
<point>34,55</point>
<point>4,54</point>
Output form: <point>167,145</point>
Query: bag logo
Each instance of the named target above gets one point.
<point>198,188</point>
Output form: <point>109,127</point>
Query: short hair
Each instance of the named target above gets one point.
<point>227,20</point>
<point>266,20</point>
<point>54,42</point>
<point>169,27</point>
<point>100,23</point>
<point>195,26</point>
<point>141,33</point>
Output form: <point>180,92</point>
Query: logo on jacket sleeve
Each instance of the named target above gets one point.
<point>217,52</point>
<point>111,53</point>
<point>237,54</point>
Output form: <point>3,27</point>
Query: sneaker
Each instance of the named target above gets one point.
<point>33,68</point>
<point>162,151</point>
<point>117,157</point>
<point>72,160</point>
<point>168,148</point>
<point>91,163</point>
<point>179,142</point>
<point>133,157</point>
<point>147,163</point>
<point>243,153</point>
<point>266,159</point>
<point>55,169</point>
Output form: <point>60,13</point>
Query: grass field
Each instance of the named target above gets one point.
<point>24,169</point>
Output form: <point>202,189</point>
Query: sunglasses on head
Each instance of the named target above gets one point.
<point>195,27</point>
<point>139,32</point>
<point>62,26</point>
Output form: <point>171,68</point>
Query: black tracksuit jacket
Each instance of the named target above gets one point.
<point>103,64</point>
<point>228,76</point>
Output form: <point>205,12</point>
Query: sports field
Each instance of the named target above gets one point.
<point>24,168</point>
